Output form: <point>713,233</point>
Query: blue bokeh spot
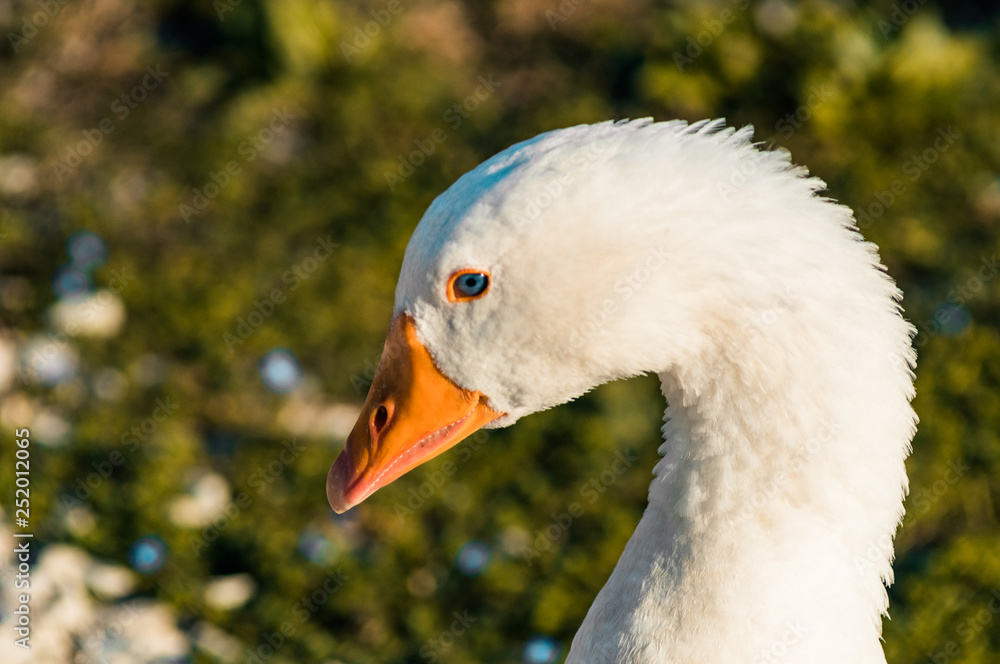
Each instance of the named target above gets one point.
<point>87,250</point>
<point>69,282</point>
<point>280,371</point>
<point>148,554</point>
<point>473,558</point>
<point>541,649</point>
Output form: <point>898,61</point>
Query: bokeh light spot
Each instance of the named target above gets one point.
<point>70,282</point>
<point>315,546</point>
<point>954,319</point>
<point>148,554</point>
<point>49,362</point>
<point>541,649</point>
<point>280,371</point>
<point>87,250</point>
<point>473,558</point>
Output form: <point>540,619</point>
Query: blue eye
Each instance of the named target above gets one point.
<point>468,285</point>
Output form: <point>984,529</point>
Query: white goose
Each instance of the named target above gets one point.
<point>600,252</point>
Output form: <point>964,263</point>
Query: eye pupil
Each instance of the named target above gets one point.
<point>471,284</point>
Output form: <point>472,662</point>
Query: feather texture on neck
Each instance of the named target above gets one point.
<point>626,248</point>
<point>768,537</point>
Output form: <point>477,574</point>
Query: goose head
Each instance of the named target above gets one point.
<point>580,256</point>
<point>511,288</point>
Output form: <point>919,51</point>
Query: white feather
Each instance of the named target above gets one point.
<point>622,248</point>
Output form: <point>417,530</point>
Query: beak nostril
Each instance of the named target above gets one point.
<point>379,419</point>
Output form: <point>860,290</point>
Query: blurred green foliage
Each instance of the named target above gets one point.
<point>282,119</point>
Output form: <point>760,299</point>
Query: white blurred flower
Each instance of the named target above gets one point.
<point>49,359</point>
<point>68,624</point>
<point>100,315</point>
<point>80,521</point>
<point>18,175</point>
<point>208,497</point>
<point>49,428</point>
<point>17,409</point>
<point>110,581</point>
<point>230,592</point>
<point>217,643</point>
<point>154,634</point>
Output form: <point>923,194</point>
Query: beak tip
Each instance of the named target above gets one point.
<point>336,485</point>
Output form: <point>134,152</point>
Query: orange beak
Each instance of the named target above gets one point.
<point>412,414</point>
